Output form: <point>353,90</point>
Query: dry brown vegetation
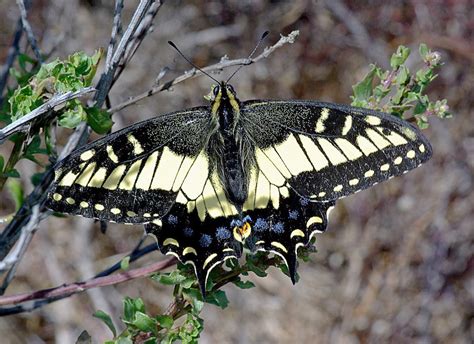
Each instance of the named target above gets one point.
<point>397,262</point>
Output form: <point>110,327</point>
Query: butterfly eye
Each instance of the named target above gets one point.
<point>216,90</point>
<point>231,89</point>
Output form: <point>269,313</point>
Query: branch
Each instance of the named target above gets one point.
<point>107,78</point>
<point>215,67</point>
<point>57,99</point>
<point>12,53</point>
<point>12,260</point>
<point>29,32</point>
<point>11,233</point>
<point>66,290</point>
<point>116,28</point>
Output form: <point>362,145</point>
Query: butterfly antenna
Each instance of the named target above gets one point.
<point>265,34</point>
<point>191,63</point>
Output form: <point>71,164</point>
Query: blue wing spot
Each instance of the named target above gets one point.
<point>222,233</point>
<point>293,214</point>
<point>172,220</point>
<point>278,227</point>
<point>188,231</point>
<point>260,225</point>
<point>304,201</point>
<point>236,223</point>
<point>205,240</point>
<point>247,219</point>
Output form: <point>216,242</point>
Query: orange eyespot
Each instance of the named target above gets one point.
<point>243,232</point>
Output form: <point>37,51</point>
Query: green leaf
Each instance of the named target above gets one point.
<point>107,321</point>
<point>130,307</point>
<point>2,163</point>
<point>145,323</point>
<point>172,278</point>
<point>16,191</point>
<point>399,57</point>
<point>84,338</point>
<point>403,76</point>
<point>124,340</point>
<point>363,90</point>
<point>244,284</point>
<point>72,118</point>
<point>165,321</point>
<point>218,298</point>
<point>99,120</point>
<point>423,50</point>
<point>194,298</point>
<point>36,178</point>
<point>12,173</point>
<point>124,263</point>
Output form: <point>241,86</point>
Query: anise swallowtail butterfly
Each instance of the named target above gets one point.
<point>264,173</point>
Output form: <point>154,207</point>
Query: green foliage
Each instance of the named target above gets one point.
<point>36,85</point>
<point>401,92</point>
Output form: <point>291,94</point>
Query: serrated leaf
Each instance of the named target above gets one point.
<point>99,120</point>
<point>244,284</point>
<point>165,321</point>
<point>107,320</point>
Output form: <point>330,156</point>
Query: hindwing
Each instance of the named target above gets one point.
<point>327,151</point>
<point>134,175</point>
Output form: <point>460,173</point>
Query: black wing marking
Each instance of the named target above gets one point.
<point>292,225</point>
<point>135,174</point>
<point>327,151</point>
<point>198,229</point>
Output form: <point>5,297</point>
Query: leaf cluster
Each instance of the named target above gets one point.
<point>401,92</point>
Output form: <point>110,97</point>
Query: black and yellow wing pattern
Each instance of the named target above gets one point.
<point>134,175</point>
<point>293,159</point>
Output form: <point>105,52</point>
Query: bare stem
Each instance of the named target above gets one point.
<point>215,67</point>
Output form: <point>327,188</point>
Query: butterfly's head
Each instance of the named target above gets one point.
<point>222,95</point>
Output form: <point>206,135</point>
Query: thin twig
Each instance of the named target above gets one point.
<point>107,77</point>
<point>12,260</point>
<point>12,53</point>
<point>10,235</point>
<point>67,290</point>
<point>56,100</point>
<point>116,28</point>
<point>142,30</point>
<point>215,67</point>
<point>29,31</point>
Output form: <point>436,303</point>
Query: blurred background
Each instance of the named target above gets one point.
<point>396,264</point>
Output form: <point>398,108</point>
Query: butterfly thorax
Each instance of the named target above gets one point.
<point>226,109</point>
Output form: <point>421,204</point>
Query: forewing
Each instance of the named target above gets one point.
<point>327,151</point>
<point>135,174</point>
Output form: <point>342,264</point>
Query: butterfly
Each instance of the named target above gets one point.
<point>261,173</point>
